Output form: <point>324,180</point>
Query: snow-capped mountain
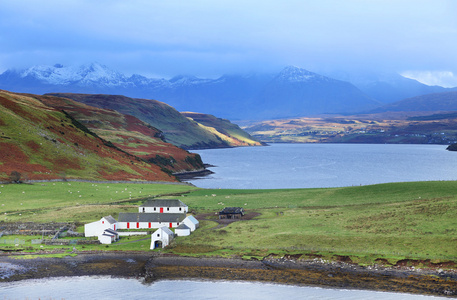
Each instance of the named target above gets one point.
<point>90,74</point>
<point>308,93</point>
<point>292,92</point>
<point>296,74</point>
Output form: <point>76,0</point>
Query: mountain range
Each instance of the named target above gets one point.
<point>292,92</point>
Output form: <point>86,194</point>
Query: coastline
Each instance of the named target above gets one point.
<point>286,270</point>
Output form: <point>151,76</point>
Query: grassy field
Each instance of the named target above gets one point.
<point>75,201</point>
<point>392,222</point>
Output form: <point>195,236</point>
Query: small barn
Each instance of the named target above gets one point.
<point>162,237</point>
<point>182,230</point>
<point>231,213</point>
<point>96,228</point>
<point>191,222</point>
<point>149,220</point>
<point>108,236</point>
<point>170,206</point>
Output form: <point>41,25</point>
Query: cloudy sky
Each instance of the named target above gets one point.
<point>208,38</point>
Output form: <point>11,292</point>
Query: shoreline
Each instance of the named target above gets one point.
<point>151,267</point>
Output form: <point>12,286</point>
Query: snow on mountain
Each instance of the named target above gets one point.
<point>296,74</point>
<point>88,74</point>
<point>291,92</point>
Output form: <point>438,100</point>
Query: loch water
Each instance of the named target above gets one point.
<point>325,165</point>
<point>90,287</point>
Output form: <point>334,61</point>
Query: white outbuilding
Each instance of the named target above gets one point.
<point>96,228</point>
<point>182,230</point>
<point>108,236</point>
<point>191,222</point>
<point>161,237</point>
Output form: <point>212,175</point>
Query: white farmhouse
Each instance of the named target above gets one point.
<point>96,228</point>
<point>149,220</point>
<point>161,237</point>
<point>171,206</point>
<point>191,222</point>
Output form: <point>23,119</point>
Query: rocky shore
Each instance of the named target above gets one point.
<point>286,270</point>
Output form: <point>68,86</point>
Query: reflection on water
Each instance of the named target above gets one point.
<point>325,165</point>
<point>89,287</point>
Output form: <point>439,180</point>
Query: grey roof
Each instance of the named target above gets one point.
<point>192,219</point>
<point>232,210</point>
<point>182,226</point>
<point>150,217</point>
<point>163,203</point>
<point>110,220</point>
<point>110,231</point>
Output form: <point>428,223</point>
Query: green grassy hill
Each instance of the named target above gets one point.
<point>41,142</point>
<point>177,129</point>
<point>224,129</point>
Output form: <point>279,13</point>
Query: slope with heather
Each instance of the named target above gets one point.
<point>129,134</point>
<point>177,129</point>
<point>42,142</point>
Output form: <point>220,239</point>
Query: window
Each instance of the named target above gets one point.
<point>154,209</point>
<point>143,209</point>
<point>158,234</point>
<point>168,209</point>
<point>180,209</point>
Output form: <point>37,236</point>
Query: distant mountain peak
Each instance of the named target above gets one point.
<point>63,75</point>
<point>296,74</point>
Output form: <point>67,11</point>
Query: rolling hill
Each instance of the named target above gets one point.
<point>40,141</point>
<point>176,128</point>
<point>129,134</point>
<point>446,101</point>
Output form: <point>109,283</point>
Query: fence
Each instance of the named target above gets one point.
<point>12,242</point>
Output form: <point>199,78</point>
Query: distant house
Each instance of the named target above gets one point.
<point>149,220</point>
<point>231,213</point>
<point>191,222</point>
<point>96,228</point>
<point>163,206</point>
<point>161,238</point>
<point>108,236</point>
<point>182,230</point>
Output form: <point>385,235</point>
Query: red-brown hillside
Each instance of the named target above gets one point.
<point>129,134</point>
<point>42,142</point>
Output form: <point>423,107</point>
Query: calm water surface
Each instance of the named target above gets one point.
<point>325,165</point>
<point>114,288</point>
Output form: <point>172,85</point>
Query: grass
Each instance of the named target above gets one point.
<point>74,201</point>
<point>394,221</point>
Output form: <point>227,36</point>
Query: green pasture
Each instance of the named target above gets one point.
<point>394,221</point>
<point>75,201</point>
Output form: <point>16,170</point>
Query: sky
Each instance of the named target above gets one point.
<point>208,38</point>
